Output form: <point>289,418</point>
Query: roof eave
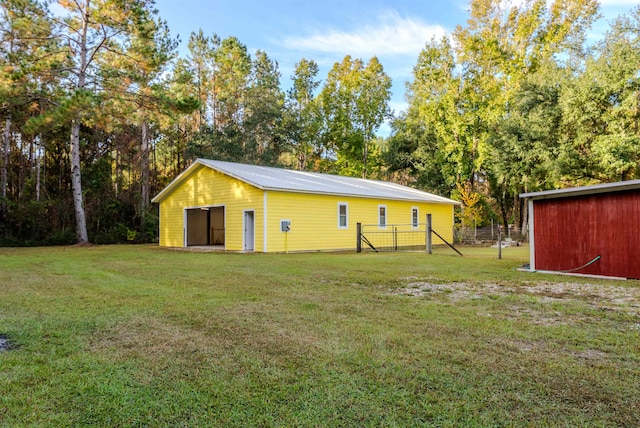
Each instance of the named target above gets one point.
<point>582,191</point>
<point>353,195</point>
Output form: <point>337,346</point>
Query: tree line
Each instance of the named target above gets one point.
<point>99,112</point>
<point>517,101</point>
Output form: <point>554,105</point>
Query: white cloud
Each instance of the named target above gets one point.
<point>398,106</point>
<point>391,35</point>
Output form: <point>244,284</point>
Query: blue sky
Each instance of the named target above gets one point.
<point>288,30</point>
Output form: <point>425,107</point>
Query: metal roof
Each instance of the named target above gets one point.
<point>285,180</point>
<point>584,190</point>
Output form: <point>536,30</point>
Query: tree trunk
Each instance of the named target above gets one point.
<point>153,178</point>
<point>302,161</point>
<point>37,155</point>
<point>38,180</point>
<point>503,209</point>
<point>61,169</point>
<point>18,186</point>
<point>118,172</point>
<point>76,184</point>
<point>365,155</point>
<point>214,103</point>
<point>144,169</point>
<point>517,214</point>
<point>76,181</point>
<point>5,161</point>
<point>43,166</point>
<point>32,159</point>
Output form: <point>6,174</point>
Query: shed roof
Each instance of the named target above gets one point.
<point>584,190</point>
<point>285,180</point>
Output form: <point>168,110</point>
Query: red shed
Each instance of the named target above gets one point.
<point>570,228</point>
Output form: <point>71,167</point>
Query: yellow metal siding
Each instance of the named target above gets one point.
<point>207,187</point>
<point>314,220</point>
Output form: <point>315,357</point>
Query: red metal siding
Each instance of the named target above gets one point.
<point>569,232</point>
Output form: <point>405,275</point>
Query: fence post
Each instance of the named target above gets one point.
<point>499,242</point>
<point>359,237</point>
<point>429,246</point>
<point>395,238</point>
<point>475,230</point>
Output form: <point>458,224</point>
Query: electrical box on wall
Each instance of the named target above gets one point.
<point>285,225</point>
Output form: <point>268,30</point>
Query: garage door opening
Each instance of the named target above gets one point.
<point>205,227</point>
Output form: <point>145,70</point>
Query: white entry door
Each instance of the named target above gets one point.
<point>249,231</point>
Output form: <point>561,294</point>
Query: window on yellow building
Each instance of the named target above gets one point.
<point>343,220</point>
<point>382,215</point>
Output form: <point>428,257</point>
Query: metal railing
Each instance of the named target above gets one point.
<point>399,237</point>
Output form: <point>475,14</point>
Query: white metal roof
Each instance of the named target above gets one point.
<point>584,190</point>
<point>285,180</point>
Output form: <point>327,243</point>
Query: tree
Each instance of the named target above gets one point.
<point>140,83</point>
<point>601,110</point>
<point>90,29</point>
<point>354,102</point>
<point>465,95</point>
<point>501,46</point>
<point>202,52</point>
<point>435,136</point>
<point>27,52</point>
<point>98,33</point>
<point>303,121</point>
<point>372,104</point>
<point>525,144</point>
<point>233,65</point>
<point>264,105</point>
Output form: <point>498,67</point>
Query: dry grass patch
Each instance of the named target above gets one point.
<point>596,295</point>
<point>149,338</point>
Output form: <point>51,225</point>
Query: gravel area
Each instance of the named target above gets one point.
<point>602,296</point>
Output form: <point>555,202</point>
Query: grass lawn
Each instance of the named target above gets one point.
<point>143,336</point>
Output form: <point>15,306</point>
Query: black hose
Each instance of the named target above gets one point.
<point>596,258</point>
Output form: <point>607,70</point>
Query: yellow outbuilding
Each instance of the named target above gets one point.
<point>239,207</point>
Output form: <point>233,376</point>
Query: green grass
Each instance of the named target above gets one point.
<point>142,336</point>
